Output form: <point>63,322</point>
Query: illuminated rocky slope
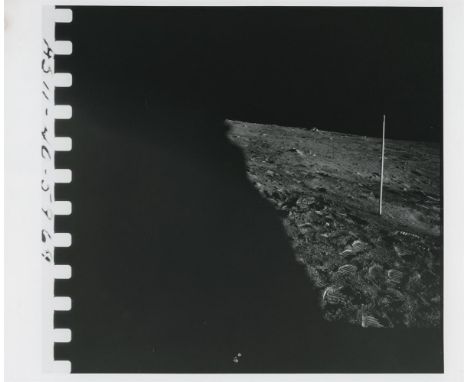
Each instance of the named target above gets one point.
<point>379,271</point>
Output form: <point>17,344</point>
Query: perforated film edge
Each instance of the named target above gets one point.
<point>50,144</point>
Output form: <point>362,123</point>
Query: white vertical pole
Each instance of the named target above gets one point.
<point>382,168</point>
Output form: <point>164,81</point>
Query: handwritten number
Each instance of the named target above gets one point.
<point>49,51</point>
<point>45,151</point>
<point>45,235</point>
<point>44,186</point>
<point>48,70</point>
<point>46,66</point>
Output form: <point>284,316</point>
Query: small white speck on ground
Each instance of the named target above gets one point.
<point>236,358</point>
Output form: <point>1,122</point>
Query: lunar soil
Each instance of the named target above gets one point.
<point>371,270</point>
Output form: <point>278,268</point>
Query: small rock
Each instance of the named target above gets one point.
<point>333,296</point>
<point>347,253</point>
<point>414,281</point>
<point>303,230</point>
<point>394,276</point>
<point>403,254</point>
<point>236,358</point>
<point>368,321</point>
<point>297,151</point>
<point>357,245</point>
<point>375,271</point>
<point>314,275</point>
<point>346,269</point>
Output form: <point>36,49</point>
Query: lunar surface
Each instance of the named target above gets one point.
<point>372,270</point>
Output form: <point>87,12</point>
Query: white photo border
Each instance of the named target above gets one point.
<point>24,285</point>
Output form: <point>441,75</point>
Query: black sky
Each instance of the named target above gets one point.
<point>335,68</point>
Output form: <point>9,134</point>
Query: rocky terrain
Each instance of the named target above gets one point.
<point>372,271</point>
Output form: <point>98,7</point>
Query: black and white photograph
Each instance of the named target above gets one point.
<point>242,189</point>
